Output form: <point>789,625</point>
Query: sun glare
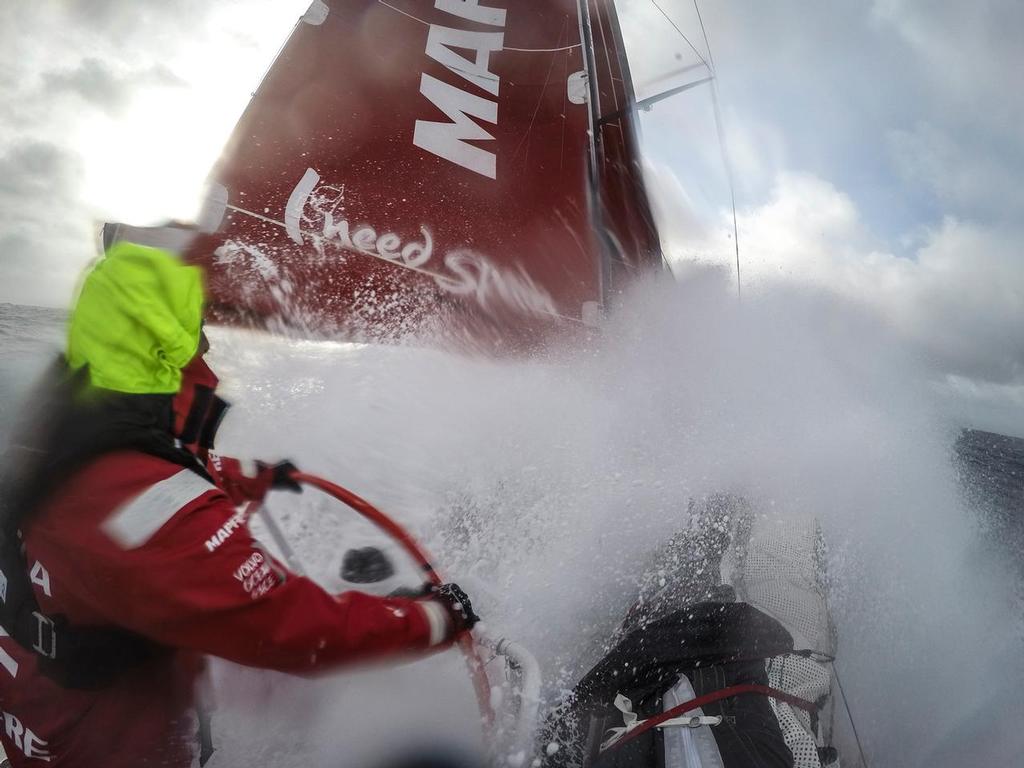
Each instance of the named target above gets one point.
<point>149,163</point>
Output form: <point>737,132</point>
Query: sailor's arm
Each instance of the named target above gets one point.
<point>201,582</point>
<point>245,481</point>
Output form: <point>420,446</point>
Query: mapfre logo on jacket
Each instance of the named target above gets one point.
<point>24,739</point>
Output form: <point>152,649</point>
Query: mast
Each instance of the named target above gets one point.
<point>596,149</point>
<point>630,241</point>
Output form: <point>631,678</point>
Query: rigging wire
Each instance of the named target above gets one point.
<point>736,240</point>
<point>677,29</point>
<point>704,32</point>
<point>849,715</point>
<point>732,186</point>
<point>517,50</point>
<point>719,129</point>
<point>399,10</point>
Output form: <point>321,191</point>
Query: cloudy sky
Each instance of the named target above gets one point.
<point>115,109</point>
<point>877,151</point>
<point>875,144</point>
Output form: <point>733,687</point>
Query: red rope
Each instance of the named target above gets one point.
<point>419,556</point>
<point>709,698</point>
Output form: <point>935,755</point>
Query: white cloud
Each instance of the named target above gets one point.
<point>39,184</point>
<point>958,299</point>
<point>115,110</point>
<point>34,169</point>
<point>971,54</point>
<point>878,155</point>
<point>804,218</point>
<point>676,214</point>
<point>965,178</point>
<point>993,407</point>
<point>99,84</point>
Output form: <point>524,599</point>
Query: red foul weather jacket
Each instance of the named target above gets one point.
<point>138,542</point>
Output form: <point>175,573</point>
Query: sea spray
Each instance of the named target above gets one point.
<point>545,487</point>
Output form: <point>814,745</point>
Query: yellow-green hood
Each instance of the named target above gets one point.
<point>137,320</point>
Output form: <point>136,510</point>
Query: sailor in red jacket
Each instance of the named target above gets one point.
<point>136,561</point>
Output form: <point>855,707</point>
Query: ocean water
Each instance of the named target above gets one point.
<point>991,468</point>
<point>30,337</point>
<point>545,487</point>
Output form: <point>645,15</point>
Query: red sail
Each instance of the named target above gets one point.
<point>407,163</point>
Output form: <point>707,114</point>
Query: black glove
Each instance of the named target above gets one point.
<point>456,604</point>
<point>280,475</point>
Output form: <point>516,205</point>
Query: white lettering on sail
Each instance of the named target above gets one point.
<point>448,140</point>
<point>442,40</point>
<point>471,10</point>
<point>470,274</point>
<point>476,276</point>
<point>296,202</point>
<point>365,239</point>
<point>388,246</point>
